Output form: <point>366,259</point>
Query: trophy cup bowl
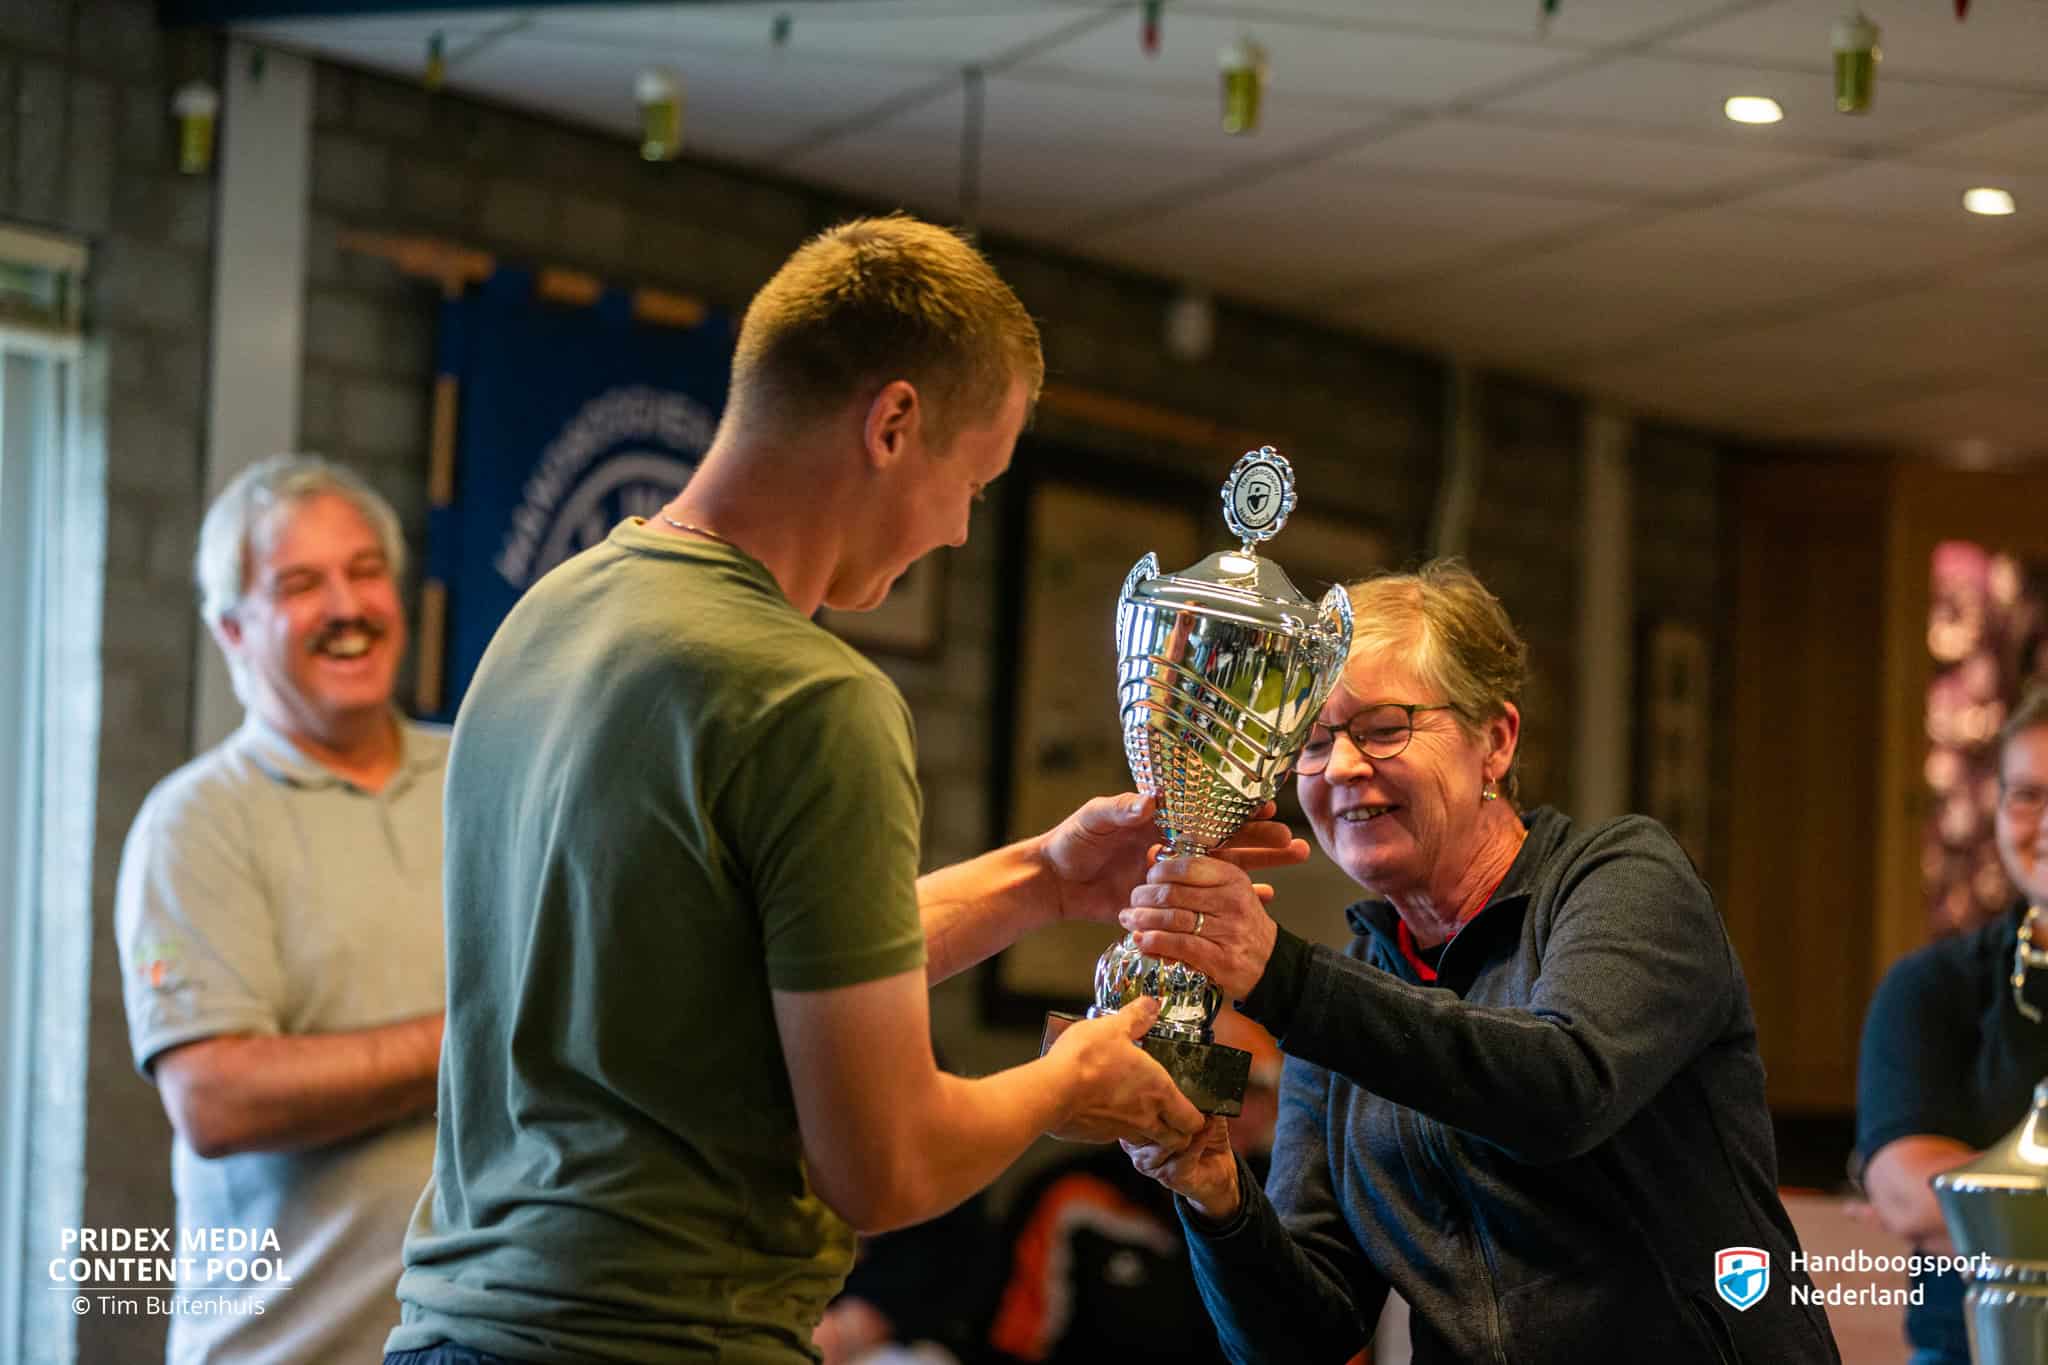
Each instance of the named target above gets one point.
<point>1221,669</point>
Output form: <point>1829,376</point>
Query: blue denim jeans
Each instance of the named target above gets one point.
<point>445,1354</point>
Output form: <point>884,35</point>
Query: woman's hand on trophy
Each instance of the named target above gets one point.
<point>1203,1172</point>
<point>1207,913</point>
<point>1097,854</point>
<point>1114,1088</point>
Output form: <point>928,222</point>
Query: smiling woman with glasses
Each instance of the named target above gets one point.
<point>1527,1097</point>
<point>1956,1037</point>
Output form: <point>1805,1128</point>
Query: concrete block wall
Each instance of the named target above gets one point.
<point>87,146</point>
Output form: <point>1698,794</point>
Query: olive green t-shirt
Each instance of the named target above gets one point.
<point>669,794</point>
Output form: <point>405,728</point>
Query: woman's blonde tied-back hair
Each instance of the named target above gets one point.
<point>876,300</point>
<point>1442,623</point>
<point>2030,711</point>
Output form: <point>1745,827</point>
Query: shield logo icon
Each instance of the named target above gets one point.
<point>1741,1275</point>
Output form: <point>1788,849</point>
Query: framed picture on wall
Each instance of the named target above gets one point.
<point>1072,533</point>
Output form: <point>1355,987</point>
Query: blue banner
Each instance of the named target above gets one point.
<point>568,419</point>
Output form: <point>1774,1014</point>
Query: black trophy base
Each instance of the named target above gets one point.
<point>1211,1075</point>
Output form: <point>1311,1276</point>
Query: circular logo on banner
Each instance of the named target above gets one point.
<point>623,455</point>
<point>632,483</point>
<point>1259,494</point>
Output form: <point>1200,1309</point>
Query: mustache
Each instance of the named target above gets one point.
<point>352,625</point>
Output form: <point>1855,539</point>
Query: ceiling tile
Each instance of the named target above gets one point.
<point>1313,232</point>
<point>724,115</point>
<point>1030,110</point>
<point>1517,317</point>
<point>1715,269</point>
<point>339,35</point>
<point>2003,421</point>
<point>1053,155</point>
<point>1997,43</point>
<point>1641,166</point>
<point>1315,60</point>
<point>1652,93</point>
<point>1578,22</point>
<point>1886,192</point>
<point>2009,145</point>
<point>940,34</point>
<point>1823,361</point>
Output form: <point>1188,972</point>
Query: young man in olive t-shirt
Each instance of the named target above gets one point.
<point>688,1049</point>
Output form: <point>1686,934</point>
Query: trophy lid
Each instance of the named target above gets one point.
<point>1247,588</point>
<point>1997,1204</point>
<point>1239,584</point>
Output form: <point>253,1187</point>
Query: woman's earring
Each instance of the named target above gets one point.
<point>1489,793</point>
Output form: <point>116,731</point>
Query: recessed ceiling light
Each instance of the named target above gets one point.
<point>1988,201</point>
<point>1752,109</point>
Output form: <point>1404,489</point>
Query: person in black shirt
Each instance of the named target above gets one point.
<point>1951,1051</point>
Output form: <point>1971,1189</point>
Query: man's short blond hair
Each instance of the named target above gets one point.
<point>876,300</point>
<point>1445,627</point>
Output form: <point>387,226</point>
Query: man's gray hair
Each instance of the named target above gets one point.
<point>221,565</point>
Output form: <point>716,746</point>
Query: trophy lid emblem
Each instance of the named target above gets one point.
<point>1258,496</point>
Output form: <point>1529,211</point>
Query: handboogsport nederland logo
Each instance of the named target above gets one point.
<point>1741,1275</point>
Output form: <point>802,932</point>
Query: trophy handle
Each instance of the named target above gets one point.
<point>1334,642</point>
<point>1146,567</point>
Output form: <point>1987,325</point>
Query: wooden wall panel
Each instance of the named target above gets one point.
<point>1806,733</point>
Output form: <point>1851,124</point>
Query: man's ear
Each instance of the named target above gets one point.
<point>227,632</point>
<point>893,419</point>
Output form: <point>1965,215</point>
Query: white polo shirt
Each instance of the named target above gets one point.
<point>262,893</point>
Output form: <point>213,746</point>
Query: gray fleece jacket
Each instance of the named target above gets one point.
<point>1542,1151</point>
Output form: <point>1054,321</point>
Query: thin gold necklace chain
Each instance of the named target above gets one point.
<point>704,531</point>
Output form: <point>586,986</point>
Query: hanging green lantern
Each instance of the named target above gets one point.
<point>196,106</point>
<point>1244,84</point>
<point>1856,59</point>
<point>660,96</point>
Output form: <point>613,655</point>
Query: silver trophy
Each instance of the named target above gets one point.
<point>1221,669</point>
<point>1996,1208</point>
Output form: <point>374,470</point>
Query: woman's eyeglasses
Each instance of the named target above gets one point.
<point>1378,731</point>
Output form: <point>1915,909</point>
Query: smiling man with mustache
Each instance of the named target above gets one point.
<point>279,915</point>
